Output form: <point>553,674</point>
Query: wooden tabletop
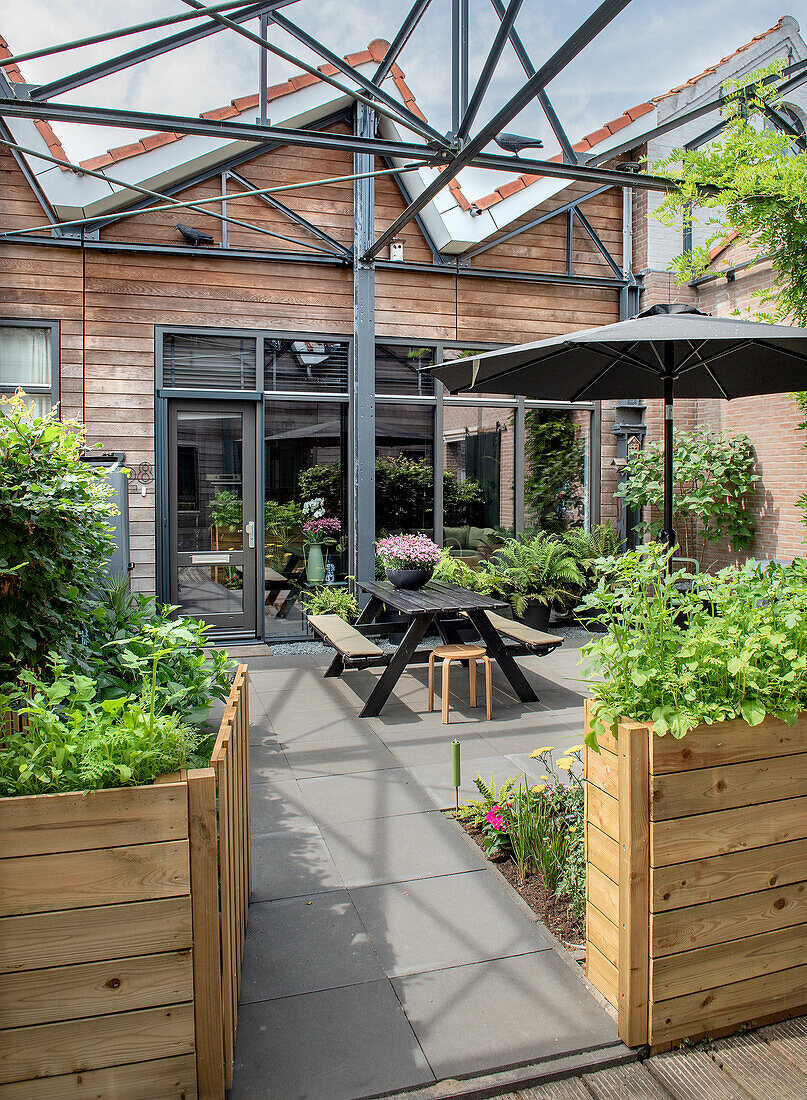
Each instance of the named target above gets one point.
<point>434,597</point>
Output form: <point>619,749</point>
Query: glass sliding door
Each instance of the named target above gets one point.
<point>305,464</point>
<point>211,513</point>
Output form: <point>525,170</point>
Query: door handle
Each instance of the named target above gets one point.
<point>251,535</point>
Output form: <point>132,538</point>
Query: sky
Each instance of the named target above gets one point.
<point>649,47</point>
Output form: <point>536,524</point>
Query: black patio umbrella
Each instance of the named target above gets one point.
<point>668,351</point>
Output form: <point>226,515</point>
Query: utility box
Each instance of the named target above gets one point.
<point>113,466</point>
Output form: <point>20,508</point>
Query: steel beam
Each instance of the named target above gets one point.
<point>147,52</point>
<point>359,97</point>
<point>362,390</point>
<point>459,63</point>
<point>416,13</point>
<point>565,208</point>
<point>278,135</point>
<point>799,68</point>
<point>569,154</point>
<point>592,232</point>
<point>375,91</point>
<point>605,13</point>
<point>783,124</point>
<point>488,69</point>
<point>560,278</point>
<point>270,200</point>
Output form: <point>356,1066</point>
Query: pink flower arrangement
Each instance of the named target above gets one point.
<point>408,552</point>
<point>318,530</point>
<point>494,818</point>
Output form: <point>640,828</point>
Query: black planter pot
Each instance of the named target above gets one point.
<point>408,578</point>
<point>536,615</point>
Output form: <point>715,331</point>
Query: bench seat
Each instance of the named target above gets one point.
<point>525,635</point>
<point>344,638</point>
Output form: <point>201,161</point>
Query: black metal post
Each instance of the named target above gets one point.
<point>668,532</point>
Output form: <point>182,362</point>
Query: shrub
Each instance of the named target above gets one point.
<point>681,650</point>
<point>54,517</point>
<point>555,454</point>
<point>539,569</point>
<point>332,601</point>
<point>74,741</point>
<point>129,632</point>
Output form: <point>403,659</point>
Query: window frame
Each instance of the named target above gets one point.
<point>54,389</point>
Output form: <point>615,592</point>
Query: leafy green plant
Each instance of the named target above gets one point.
<point>587,547</point>
<point>713,649</point>
<point>714,475</point>
<point>56,536</point>
<point>451,570</point>
<point>74,741</point>
<point>476,810</point>
<point>554,454</point>
<point>226,510</point>
<point>332,601</point>
<point>537,569</point>
<point>127,632</point>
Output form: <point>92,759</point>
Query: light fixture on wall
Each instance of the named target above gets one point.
<point>396,249</point>
<point>193,236</point>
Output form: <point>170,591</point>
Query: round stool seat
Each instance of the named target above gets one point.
<point>455,652</point>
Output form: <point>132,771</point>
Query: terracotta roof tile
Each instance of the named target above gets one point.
<point>721,246</point>
<point>713,68</point>
<point>14,76</point>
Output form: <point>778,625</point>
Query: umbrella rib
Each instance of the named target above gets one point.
<point>782,350</point>
<point>716,381</point>
<point>619,356</point>
<point>693,351</point>
<point>709,359</point>
<point>510,370</point>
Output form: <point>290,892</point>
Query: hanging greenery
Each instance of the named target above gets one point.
<point>714,474</point>
<point>553,485</point>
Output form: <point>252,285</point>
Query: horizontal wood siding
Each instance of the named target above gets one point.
<point>727,876</point>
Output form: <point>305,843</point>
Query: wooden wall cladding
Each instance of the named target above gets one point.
<point>697,877</point>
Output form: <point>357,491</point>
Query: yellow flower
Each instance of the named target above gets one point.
<point>576,748</point>
<point>564,763</point>
<point>544,778</point>
<point>540,752</point>
<point>539,789</point>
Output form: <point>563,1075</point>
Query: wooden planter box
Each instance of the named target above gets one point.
<point>114,979</point>
<point>696,850</point>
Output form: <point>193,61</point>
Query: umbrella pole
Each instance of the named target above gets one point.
<point>668,532</point>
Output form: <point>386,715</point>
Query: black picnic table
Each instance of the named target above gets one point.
<point>439,604</point>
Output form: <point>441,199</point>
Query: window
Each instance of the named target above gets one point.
<point>209,362</point>
<point>404,469</point>
<point>305,365</point>
<point>399,370</point>
<point>26,362</point>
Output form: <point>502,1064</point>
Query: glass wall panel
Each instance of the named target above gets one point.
<point>478,485</point>
<point>207,361</point>
<point>555,484</point>
<point>404,469</point>
<point>398,370</point>
<point>303,365</point>
<point>305,461</point>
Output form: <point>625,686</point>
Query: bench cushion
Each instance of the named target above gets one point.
<point>343,636</point>
<point>524,634</point>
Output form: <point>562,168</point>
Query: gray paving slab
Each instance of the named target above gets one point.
<point>435,748</point>
<point>300,945</point>
<point>363,796</point>
<point>268,762</point>
<point>288,865</point>
<point>395,849</point>
<point>307,761</point>
<point>338,1044</point>
<point>437,778</point>
<point>489,1015</point>
<point>434,923</point>
<point>324,727</point>
<point>277,808</point>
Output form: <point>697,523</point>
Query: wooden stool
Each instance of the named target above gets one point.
<point>469,653</point>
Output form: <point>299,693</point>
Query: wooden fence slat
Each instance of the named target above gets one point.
<point>602,973</point>
<point>603,893</point>
<point>101,875</point>
<point>603,812</point>
<point>226,913</point>
<point>95,988</point>
<point>727,786</point>
<point>247,804</point>
<point>728,743</point>
<point>206,944</point>
<point>634,884</point>
<point>232,833</point>
<point>602,851</point>
<point>166,1078</point>
<point>603,933</point>
<point>47,1050</point>
<point>728,875</point>
<point>36,940</point>
<point>603,772</point>
<point>704,835</point>
<point>37,825</point>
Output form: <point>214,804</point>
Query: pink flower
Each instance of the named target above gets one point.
<point>408,551</point>
<point>494,818</point>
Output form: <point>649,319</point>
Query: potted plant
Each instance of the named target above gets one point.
<point>408,560</point>
<point>696,767</point>
<point>332,601</point>
<point>534,573</point>
<point>318,530</point>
